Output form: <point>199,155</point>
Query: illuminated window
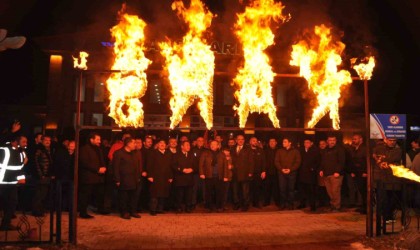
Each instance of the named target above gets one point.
<point>99,92</point>
<point>228,92</point>
<point>97,119</point>
<point>155,96</point>
<point>281,95</point>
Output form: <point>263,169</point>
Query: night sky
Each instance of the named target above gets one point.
<point>389,29</point>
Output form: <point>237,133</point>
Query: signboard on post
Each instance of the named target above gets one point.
<point>388,126</point>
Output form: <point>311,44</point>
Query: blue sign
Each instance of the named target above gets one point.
<point>388,126</point>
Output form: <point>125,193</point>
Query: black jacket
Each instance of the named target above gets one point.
<point>160,169</point>
<point>359,161</point>
<point>180,163</point>
<point>333,160</point>
<point>309,168</point>
<point>43,162</point>
<point>63,165</point>
<point>260,164</point>
<point>127,167</point>
<point>90,160</point>
<point>243,164</point>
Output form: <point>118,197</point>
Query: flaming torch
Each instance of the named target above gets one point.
<point>402,172</point>
<point>318,60</point>
<point>83,61</point>
<point>255,76</point>
<point>397,170</point>
<point>191,64</point>
<point>364,70</point>
<point>130,84</point>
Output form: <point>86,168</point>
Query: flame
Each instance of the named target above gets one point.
<point>191,64</point>
<point>364,70</point>
<point>318,60</point>
<point>254,78</point>
<point>402,172</point>
<point>130,84</point>
<point>83,61</point>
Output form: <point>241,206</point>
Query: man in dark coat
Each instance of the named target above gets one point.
<point>64,173</point>
<point>333,160</point>
<point>198,187</point>
<point>287,163</point>
<point>259,171</point>
<point>388,186</point>
<point>146,152</point>
<point>160,176</point>
<point>358,170</point>
<point>308,172</point>
<point>44,169</point>
<point>92,170</point>
<point>243,170</point>
<point>214,172</point>
<point>271,182</point>
<point>109,185</point>
<point>127,166</point>
<point>184,168</point>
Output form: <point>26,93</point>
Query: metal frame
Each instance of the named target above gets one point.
<point>79,127</point>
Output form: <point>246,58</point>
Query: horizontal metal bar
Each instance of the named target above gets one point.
<point>217,73</point>
<point>227,129</point>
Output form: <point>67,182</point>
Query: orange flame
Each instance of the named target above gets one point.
<point>318,60</point>
<point>402,172</point>
<point>127,87</point>
<point>364,70</point>
<point>83,61</point>
<point>191,64</point>
<point>254,78</point>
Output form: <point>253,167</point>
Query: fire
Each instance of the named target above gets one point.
<point>318,60</point>
<point>127,86</point>
<point>83,61</point>
<point>401,171</point>
<point>191,64</point>
<point>364,70</point>
<point>255,76</point>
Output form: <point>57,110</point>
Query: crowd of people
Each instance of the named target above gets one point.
<point>138,174</point>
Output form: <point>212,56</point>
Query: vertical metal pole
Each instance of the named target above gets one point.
<point>73,225</point>
<point>369,214</point>
<point>52,210</point>
<point>58,201</point>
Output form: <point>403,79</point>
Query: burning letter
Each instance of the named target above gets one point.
<point>318,60</point>
<point>127,86</point>
<point>191,64</point>
<point>83,61</point>
<point>254,78</point>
